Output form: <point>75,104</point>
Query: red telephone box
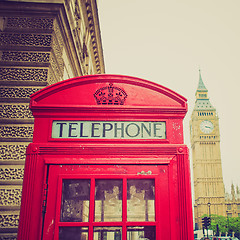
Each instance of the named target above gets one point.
<point>107,162</point>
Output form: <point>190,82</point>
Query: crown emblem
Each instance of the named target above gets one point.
<point>110,95</point>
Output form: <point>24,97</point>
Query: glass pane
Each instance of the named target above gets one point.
<point>141,233</point>
<point>108,200</point>
<point>73,233</point>
<point>75,200</point>
<point>107,233</point>
<point>141,200</point>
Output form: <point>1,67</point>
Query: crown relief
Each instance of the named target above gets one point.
<point>110,95</point>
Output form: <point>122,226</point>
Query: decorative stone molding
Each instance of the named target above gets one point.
<point>92,30</point>
<point>13,152</point>
<point>16,131</point>
<point>51,78</point>
<point>58,34</point>
<point>31,57</point>
<point>17,92</point>
<point>58,56</point>
<point>29,23</point>
<point>10,196</point>
<point>23,74</point>
<point>55,67</point>
<point>25,39</point>
<point>77,14</point>
<point>13,111</point>
<point>11,173</point>
<point>9,220</point>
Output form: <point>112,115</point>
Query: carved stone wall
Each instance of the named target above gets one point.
<point>10,197</point>
<point>25,39</point>
<point>41,43</point>
<point>14,111</point>
<point>28,75</point>
<point>25,54</point>
<point>29,22</point>
<point>12,236</point>
<point>13,152</point>
<point>8,174</point>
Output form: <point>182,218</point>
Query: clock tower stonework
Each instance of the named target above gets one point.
<point>206,157</point>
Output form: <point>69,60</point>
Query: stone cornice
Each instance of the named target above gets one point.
<point>95,33</point>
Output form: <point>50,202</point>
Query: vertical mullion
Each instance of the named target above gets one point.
<point>58,206</point>
<point>157,206</point>
<point>124,209</point>
<point>91,208</point>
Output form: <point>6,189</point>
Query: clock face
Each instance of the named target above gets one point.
<point>206,126</point>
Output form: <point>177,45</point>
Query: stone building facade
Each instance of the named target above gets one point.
<point>209,191</point>
<point>232,201</point>
<point>41,42</point>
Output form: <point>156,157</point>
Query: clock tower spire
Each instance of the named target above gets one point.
<point>202,101</point>
<point>206,156</point>
<point>201,85</point>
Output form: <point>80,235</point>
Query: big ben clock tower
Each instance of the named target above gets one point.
<point>207,166</point>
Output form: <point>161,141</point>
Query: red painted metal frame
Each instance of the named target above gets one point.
<point>59,173</point>
<point>73,100</point>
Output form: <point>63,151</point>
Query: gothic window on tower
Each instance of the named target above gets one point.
<point>205,113</point>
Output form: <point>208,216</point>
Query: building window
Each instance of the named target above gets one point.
<point>229,207</point>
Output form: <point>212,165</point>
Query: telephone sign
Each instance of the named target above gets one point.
<point>108,130</point>
<point>108,162</point>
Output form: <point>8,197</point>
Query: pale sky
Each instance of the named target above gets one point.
<point>167,41</point>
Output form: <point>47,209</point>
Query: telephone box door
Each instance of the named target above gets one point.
<point>107,202</point>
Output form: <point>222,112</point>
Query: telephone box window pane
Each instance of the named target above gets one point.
<point>141,233</point>
<point>108,200</point>
<point>107,233</point>
<point>75,200</point>
<point>73,233</point>
<point>140,200</point>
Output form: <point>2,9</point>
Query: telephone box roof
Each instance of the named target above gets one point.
<point>93,90</point>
